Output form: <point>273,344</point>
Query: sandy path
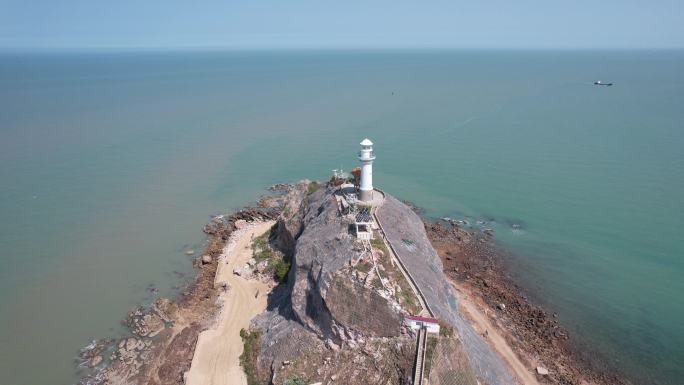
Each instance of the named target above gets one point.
<point>216,358</point>
<point>480,322</point>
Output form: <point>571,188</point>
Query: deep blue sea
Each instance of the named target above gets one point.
<point>110,163</point>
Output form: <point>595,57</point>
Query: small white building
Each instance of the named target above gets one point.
<point>417,322</point>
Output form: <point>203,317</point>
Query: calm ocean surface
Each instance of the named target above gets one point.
<point>110,163</point>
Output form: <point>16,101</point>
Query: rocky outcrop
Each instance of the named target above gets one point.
<point>145,322</point>
<point>323,310</point>
<point>221,226</point>
<point>291,218</point>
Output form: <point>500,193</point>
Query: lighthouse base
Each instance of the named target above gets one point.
<point>365,195</point>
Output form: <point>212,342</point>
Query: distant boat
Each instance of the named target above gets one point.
<point>600,83</point>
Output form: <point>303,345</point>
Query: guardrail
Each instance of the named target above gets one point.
<point>401,263</point>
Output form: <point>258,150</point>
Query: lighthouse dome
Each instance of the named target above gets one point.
<point>366,142</point>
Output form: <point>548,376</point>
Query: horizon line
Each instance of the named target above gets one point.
<point>208,48</point>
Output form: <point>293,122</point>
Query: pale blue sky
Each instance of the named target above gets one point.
<point>342,24</point>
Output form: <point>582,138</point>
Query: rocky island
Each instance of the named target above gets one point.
<point>319,286</point>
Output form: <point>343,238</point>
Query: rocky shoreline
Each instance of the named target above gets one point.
<point>475,264</point>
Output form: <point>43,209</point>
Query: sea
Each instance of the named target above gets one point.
<point>111,162</point>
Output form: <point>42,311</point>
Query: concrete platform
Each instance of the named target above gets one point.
<point>377,197</point>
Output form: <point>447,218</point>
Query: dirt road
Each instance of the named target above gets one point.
<point>216,357</point>
<point>482,325</point>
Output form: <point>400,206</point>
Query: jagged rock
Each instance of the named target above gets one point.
<point>241,224</point>
<point>165,308</point>
<point>91,355</point>
<point>331,345</point>
<point>244,271</point>
<point>143,322</point>
<point>95,361</point>
<point>542,371</point>
<point>206,259</point>
<point>131,344</point>
<point>501,306</point>
<point>154,324</point>
<point>262,266</point>
<point>290,221</point>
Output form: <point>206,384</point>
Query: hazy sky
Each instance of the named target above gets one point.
<point>342,23</point>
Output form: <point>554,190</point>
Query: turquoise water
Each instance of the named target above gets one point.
<point>110,164</point>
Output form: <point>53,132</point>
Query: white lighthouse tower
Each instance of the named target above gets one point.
<point>366,156</point>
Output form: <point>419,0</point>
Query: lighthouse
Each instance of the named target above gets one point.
<point>366,156</point>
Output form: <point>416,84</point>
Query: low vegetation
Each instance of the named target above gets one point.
<point>445,330</point>
<point>295,380</point>
<point>278,263</point>
<point>405,296</point>
<point>313,187</point>
<point>378,244</point>
<point>364,267</point>
<point>430,352</point>
<point>248,358</point>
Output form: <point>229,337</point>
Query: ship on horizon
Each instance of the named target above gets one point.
<point>600,83</point>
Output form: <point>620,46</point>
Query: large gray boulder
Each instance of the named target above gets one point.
<point>321,304</point>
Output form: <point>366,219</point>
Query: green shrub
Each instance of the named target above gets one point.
<point>295,380</point>
<point>406,297</point>
<point>445,330</point>
<point>364,267</point>
<point>313,187</point>
<point>429,352</point>
<point>281,269</point>
<point>248,358</point>
<point>278,263</point>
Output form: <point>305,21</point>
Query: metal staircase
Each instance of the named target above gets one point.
<point>418,374</point>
